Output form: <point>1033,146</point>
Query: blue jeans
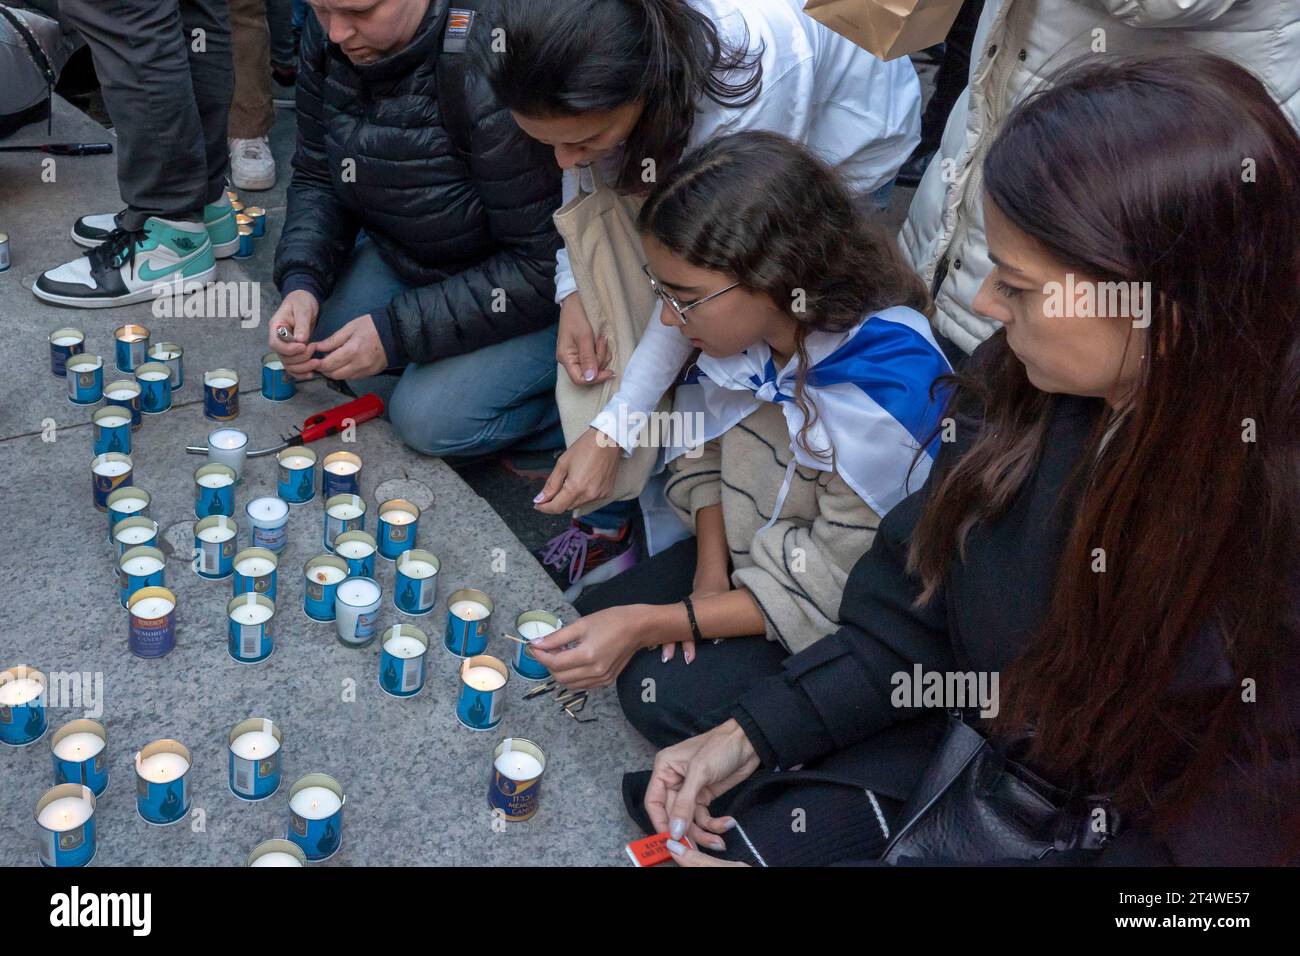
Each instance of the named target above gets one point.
<point>498,397</point>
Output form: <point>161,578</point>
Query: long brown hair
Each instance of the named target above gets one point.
<point>765,209</point>
<point>1180,171</point>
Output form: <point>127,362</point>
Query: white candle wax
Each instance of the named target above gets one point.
<point>65,813</point>
<point>415,568</point>
<point>79,746</point>
<point>113,468</point>
<point>484,678</point>
<point>131,337</point>
<point>342,467</point>
<point>122,394</point>
<point>158,352</point>
<point>251,614</point>
<point>518,765</point>
<point>535,630</point>
<point>358,592</point>
<point>276,858</point>
<point>345,512</point>
<point>112,421</point>
<point>296,462</point>
<point>215,481</point>
<point>66,340</point>
<point>229,438</point>
<point>221,381</point>
<point>255,567</point>
<point>129,506</point>
<point>24,690</point>
<point>403,646</point>
<point>216,534</point>
<point>398,516</point>
<point>469,610</point>
<point>328,574</point>
<point>154,376</point>
<point>354,549</point>
<point>315,803</point>
<point>255,745</point>
<point>133,535</point>
<point>142,564</point>
<point>152,608</point>
<point>162,767</point>
<point>268,512</point>
<point>276,365</point>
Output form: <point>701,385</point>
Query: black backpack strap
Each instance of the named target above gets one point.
<point>453,64</point>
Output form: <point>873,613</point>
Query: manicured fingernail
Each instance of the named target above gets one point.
<point>663,657</point>
<point>715,843</point>
<point>588,375</point>
<point>730,824</point>
<point>537,499</point>
<point>675,848</point>
<point>690,656</point>
<point>677,829</point>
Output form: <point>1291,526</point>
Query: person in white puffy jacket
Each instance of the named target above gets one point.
<point>1019,42</point>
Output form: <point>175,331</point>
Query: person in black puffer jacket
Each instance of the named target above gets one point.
<point>403,251</point>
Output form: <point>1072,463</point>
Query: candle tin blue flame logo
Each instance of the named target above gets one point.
<point>163,802</point>
<point>318,839</point>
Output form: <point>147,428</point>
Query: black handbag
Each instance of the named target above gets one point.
<point>975,804</point>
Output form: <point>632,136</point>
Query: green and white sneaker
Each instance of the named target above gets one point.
<point>219,217</point>
<point>128,267</point>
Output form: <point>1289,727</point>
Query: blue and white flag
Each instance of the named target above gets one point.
<point>870,386</point>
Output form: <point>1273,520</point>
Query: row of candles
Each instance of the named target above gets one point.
<point>65,814</point>
<point>157,371</point>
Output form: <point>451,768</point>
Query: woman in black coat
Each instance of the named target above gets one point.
<point>1113,533</point>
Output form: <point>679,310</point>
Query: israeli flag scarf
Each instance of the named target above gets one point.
<point>870,386</point>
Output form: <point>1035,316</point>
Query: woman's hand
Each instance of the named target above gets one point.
<point>584,473</point>
<point>354,351</point>
<point>605,641</point>
<point>708,582</point>
<point>689,776</point>
<point>583,356</point>
<point>297,313</point>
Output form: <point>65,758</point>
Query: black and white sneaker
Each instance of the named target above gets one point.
<point>127,267</point>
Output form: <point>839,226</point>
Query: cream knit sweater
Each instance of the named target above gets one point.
<point>795,569</point>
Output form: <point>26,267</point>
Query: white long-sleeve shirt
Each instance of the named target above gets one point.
<point>861,114</point>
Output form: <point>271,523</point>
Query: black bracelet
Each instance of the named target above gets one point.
<point>695,625</point>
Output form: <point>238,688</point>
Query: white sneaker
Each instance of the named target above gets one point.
<point>252,166</point>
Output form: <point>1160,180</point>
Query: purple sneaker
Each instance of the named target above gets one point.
<point>583,556</point>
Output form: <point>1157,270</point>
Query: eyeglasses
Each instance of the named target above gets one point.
<point>670,300</point>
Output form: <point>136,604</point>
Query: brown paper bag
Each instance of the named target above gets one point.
<point>887,28</point>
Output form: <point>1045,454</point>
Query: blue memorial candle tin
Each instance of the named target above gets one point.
<point>22,706</point>
<point>277,386</point>
<point>468,612</point>
<point>162,774</point>
<point>80,752</point>
<point>415,587</point>
<point>65,818</point>
<point>125,393</point>
<point>85,375</point>
<point>151,622</point>
<point>131,343</point>
<point>140,567</point>
<point>250,628</point>
<point>108,472</point>
<point>340,474</point>
<point>316,804</point>
<point>214,490</point>
<point>321,578</point>
<point>399,522</point>
<point>532,626</point>
<point>483,680</point>
<point>123,503</point>
<point>155,380</point>
<point>65,343</point>
<point>112,430</point>
<point>137,532</point>
<point>343,513</point>
<point>517,768</point>
<point>173,356</point>
<point>214,547</point>
<point>254,753</point>
<point>276,853</point>
<point>401,660</point>
<point>221,394</point>
<point>245,249</point>
<point>257,220</point>
<point>296,481</point>
<point>256,570</point>
<point>357,548</point>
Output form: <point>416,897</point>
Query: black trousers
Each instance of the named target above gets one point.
<point>668,703</point>
<point>165,69</point>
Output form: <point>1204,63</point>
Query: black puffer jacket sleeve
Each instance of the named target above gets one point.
<point>319,230</point>
<point>512,291</point>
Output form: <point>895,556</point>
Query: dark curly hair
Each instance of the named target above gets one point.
<point>765,209</point>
